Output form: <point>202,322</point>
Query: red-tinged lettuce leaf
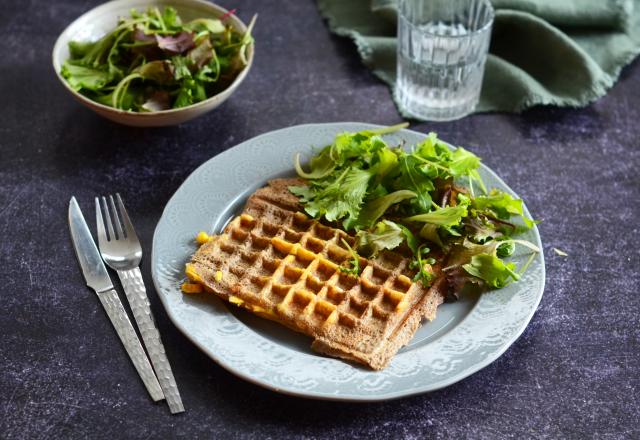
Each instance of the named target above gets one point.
<point>140,36</point>
<point>461,254</point>
<point>145,45</point>
<point>159,100</point>
<point>158,71</point>
<point>502,205</point>
<point>176,44</point>
<point>120,69</point>
<point>201,54</point>
<point>457,279</point>
<point>480,229</point>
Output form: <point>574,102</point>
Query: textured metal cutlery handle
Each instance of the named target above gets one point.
<point>113,306</point>
<point>137,295</point>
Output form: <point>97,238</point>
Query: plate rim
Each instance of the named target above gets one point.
<point>310,394</point>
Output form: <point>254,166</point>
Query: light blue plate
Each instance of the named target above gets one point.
<point>465,337</point>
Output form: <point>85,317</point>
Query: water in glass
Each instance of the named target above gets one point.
<point>441,56</point>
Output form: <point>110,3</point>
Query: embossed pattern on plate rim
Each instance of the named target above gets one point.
<point>319,377</point>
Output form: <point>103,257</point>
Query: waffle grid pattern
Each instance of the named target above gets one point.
<point>293,270</point>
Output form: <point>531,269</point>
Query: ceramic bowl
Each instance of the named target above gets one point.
<point>100,20</point>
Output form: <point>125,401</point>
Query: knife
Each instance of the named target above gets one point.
<point>96,276</point>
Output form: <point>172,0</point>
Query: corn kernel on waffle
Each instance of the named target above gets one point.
<point>278,263</point>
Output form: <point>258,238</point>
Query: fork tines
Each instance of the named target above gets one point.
<point>119,229</point>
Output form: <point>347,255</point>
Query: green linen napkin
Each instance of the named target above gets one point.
<point>549,52</point>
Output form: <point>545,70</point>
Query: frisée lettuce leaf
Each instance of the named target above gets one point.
<point>428,200</point>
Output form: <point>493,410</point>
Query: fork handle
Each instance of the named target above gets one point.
<point>137,296</point>
<point>113,306</point>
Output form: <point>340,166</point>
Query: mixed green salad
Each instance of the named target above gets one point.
<point>153,61</point>
<point>428,201</point>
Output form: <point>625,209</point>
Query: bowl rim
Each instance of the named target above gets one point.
<point>214,8</point>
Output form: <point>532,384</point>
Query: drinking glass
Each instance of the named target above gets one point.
<point>442,49</point>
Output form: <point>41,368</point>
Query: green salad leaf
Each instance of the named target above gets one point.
<point>321,165</point>
<point>448,216</point>
<point>376,208</point>
<point>385,235</point>
<point>153,61</point>
<point>339,197</point>
<point>87,78</point>
<point>353,267</point>
<point>412,175</point>
<point>501,205</point>
<point>491,269</point>
<point>429,200</point>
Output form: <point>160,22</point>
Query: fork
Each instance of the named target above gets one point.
<point>122,252</point>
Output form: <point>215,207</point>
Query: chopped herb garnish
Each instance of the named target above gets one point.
<point>354,270</point>
<point>422,266</point>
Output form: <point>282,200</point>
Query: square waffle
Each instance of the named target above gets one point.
<point>280,264</point>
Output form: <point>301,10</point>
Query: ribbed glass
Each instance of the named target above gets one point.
<point>442,49</point>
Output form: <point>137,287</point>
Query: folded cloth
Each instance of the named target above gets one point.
<point>543,52</point>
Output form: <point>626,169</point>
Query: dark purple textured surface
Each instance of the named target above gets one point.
<point>573,374</point>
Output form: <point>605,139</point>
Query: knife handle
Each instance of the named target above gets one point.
<point>115,310</point>
<point>136,293</point>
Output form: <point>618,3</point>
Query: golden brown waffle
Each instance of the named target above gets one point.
<point>282,265</point>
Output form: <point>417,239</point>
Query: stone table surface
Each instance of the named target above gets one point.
<point>572,374</point>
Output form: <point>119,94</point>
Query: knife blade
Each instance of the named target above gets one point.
<point>93,269</point>
<point>96,277</point>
